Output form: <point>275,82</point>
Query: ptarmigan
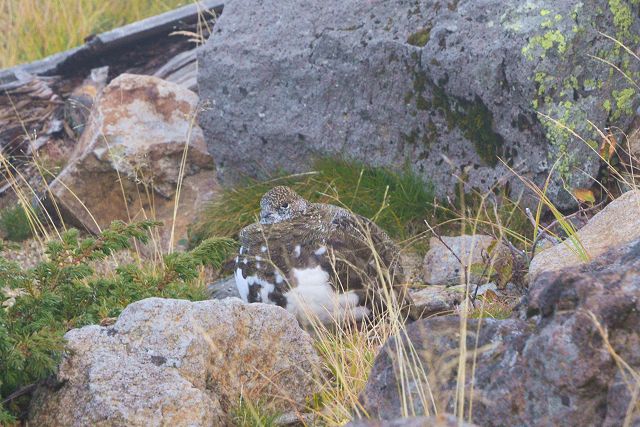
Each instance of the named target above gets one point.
<point>316,260</point>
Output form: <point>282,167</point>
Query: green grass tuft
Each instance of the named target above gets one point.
<point>248,414</point>
<point>396,201</point>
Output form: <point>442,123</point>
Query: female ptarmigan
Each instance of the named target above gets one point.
<point>317,260</point>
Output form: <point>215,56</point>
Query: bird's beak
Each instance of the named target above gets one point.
<point>264,218</point>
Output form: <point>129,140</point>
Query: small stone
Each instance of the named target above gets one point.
<point>441,267</point>
<point>435,301</point>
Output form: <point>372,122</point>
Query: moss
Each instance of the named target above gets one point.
<point>432,132</point>
<point>420,38</point>
<point>473,118</point>
<point>422,103</point>
<point>607,106</point>
<point>419,81</point>
<point>408,97</point>
<point>475,121</point>
<point>410,138</point>
<point>477,126</point>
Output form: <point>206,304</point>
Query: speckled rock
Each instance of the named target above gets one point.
<point>616,224</point>
<point>552,367</point>
<point>428,83</point>
<point>223,288</point>
<point>435,300</point>
<point>441,267</point>
<point>127,163</point>
<point>175,362</point>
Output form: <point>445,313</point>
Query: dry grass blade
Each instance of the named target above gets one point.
<point>27,36</point>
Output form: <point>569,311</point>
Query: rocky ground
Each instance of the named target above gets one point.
<point>564,357</point>
<point>386,83</point>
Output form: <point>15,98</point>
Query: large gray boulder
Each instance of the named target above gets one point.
<point>424,83</point>
<point>573,360</point>
<point>180,363</point>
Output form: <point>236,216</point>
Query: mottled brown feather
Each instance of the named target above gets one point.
<point>346,236</point>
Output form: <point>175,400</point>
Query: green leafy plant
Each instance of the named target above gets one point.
<point>40,304</point>
<point>15,224</point>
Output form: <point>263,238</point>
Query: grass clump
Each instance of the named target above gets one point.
<point>248,414</point>
<point>63,292</point>
<point>396,201</point>
<point>15,224</point>
<point>34,29</point>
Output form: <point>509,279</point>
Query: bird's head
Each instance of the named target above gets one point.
<point>280,204</point>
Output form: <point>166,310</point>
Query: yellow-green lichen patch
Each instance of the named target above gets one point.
<point>590,84</point>
<point>541,44</point>
<point>624,102</point>
<point>565,118</point>
<point>420,38</point>
<point>622,18</point>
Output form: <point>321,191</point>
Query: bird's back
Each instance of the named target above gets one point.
<point>327,247</point>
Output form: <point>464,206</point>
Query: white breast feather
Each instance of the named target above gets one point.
<point>242,285</point>
<point>321,250</point>
<point>315,297</point>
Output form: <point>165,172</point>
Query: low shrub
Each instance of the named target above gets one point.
<point>63,292</point>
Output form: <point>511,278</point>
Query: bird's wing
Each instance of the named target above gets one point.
<point>262,262</point>
<point>278,249</point>
<point>370,259</point>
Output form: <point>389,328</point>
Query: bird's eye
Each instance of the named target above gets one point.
<point>285,206</point>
